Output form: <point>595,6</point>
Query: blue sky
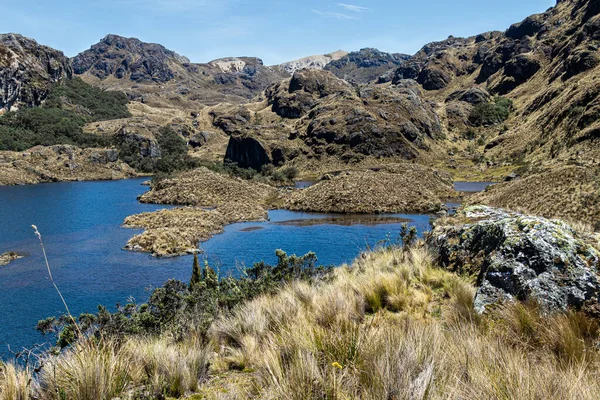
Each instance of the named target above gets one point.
<point>274,30</point>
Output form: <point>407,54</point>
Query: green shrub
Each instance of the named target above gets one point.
<point>178,308</point>
<point>485,114</point>
<point>173,154</point>
<point>60,120</point>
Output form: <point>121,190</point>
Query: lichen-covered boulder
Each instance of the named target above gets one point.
<point>516,256</point>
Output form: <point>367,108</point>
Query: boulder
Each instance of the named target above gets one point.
<point>473,96</point>
<point>433,79</point>
<point>520,257</point>
<point>320,83</point>
<point>581,61</point>
<point>530,26</point>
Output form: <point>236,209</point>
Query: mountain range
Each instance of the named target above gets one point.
<point>497,104</point>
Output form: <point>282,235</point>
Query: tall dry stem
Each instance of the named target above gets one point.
<point>39,236</point>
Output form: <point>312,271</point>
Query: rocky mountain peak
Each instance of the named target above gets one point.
<point>27,69</point>
<point>128,58</point>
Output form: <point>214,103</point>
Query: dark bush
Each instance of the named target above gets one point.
<point>486,114</point>
<point>178,308</point>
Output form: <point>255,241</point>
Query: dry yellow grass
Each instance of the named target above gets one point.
<point>569,192</point>
<point>396,188</point>
<point>391,326</point>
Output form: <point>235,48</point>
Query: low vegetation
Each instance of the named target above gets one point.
<point>496,112</point>
<point>392,325</point>
<point>61,118</point>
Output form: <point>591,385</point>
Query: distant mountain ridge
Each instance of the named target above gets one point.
<point>366,65</point>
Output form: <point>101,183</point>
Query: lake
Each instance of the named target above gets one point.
<point>80,224</point>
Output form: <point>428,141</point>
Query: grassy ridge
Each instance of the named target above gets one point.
<point>393,325</point>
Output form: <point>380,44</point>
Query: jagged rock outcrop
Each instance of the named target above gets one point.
<point>139,140</point>
<point>247,152</point>
<point>365,65</point>
<point>516,256</point>
<point>27,70</point>
<point>311,62</point>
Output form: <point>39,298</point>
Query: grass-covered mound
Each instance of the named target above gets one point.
<point>398,188</point>
<point>392,325</point>
<point>68,107</point>
<point>569,192</point>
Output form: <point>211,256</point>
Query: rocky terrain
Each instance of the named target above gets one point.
<point>159,77</point>
<point>27,69</point>
<point>315,117</point>
<point>366,66</point>
<point>311,62</point>
<point>402,188</point>
<point>521,257</point>
<point>547,64</point>
<point>61,163</point>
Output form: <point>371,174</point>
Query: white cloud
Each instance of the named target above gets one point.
<point>333,14</point>
<point>353,8</point>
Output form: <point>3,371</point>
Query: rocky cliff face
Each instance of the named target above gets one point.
<point>27,70</point>
<point>366,65</point>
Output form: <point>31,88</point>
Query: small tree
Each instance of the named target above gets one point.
<point>408,236</point>
<point>195,279</point>
<point>209,276</point>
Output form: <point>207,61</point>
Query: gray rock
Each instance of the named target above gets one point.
<point>27,70</point>
<point>521,257</point>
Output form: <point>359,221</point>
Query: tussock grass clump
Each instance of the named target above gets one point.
<point>167,367</point>
<point>15,383</point>
<point>89,370</point>
<point>395,326</point>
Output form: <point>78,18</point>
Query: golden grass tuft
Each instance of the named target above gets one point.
<point>88,370</point>
<point>14,382</point>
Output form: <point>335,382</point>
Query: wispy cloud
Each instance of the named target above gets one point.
<point>353,8</point>
<point>337,15</point>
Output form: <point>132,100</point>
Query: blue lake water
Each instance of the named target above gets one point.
<point>80,223</point>
<point>472,187</point>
